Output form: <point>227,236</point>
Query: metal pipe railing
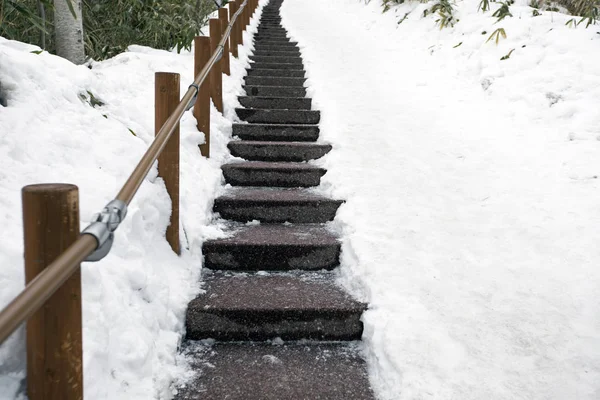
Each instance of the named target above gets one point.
<point>39,290</point>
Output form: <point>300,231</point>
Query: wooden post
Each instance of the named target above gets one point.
<point>202,105</point>
<point>54,352</point>
<point>239,26</point>
<point>166,99</point>
<point>246,15</point>
<point>224,22</point>
<point>216,74</point>
<point>233,38</point>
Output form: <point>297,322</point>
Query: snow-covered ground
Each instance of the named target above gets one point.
<point>134,300</point>
<point>473,211</point>
<point>472,215</point>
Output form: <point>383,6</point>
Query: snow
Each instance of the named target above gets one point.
<point>471,183</point>
<point>471,221</point>
<point>134,301</point>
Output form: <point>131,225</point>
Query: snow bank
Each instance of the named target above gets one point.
<point>471,222</point>
<point>134,300</point>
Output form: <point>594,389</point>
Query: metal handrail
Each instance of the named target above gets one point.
<point>54,275</point>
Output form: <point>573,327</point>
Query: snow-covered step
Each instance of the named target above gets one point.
<point>274,247</point>
<point>275,205</point>
<point>277,151</point>
<point>276,72</point>
<point>279,116</point>
<point>276,132</point>
<point>274,174</point>
<point>292,371</point>
<point>275,91</point>
<point>263,307</point>
<point>276,103</point>
<point>277,60</point>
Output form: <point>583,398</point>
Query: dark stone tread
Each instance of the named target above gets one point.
<point>326,371</point>
<point>276,205</point>
<point>275,174</point>
<point>264,116</point>
<point>275,91</point>
<point>258,307</point>
<point>276,132</point>
<point>275,103</point>
<point>278,151</point>
<point>274,248</point>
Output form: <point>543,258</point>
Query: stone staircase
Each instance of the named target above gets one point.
<point>271,323</point>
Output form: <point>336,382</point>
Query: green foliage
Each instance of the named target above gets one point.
<point>20,19</point>
<point>484,5</point>
<point>496,35</point>
<point>444,10</point>
<point>111,25</point>
<point>503,11</point>
<point>506,57</point>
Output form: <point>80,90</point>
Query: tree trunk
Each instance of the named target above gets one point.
<point>69,31</point>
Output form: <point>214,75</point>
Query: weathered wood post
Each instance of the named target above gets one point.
<point>244,15</point>
<point>224,18</point>
<point>202,105</point>
<point>54,352</point>
<point>166,99</point>
<point>240,26</point>
<point>216,73</point>
<point>233,38</point>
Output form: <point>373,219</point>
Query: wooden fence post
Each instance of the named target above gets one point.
<point>202,105</point>
<point>224,22</point>
<point>216,74</point>
<point>54,352</point>
<point>166,99</point>
<point>239,25</point>
<point>233,37</point>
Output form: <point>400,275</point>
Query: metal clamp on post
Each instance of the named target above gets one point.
<point>103,228</point>
<point>193,100</point>
<point>221,50</point>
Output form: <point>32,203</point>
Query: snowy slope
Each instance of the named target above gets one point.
<point>133,301</point>
<point>473,211</point>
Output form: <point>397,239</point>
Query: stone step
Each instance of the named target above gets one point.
<point>279,116</point>
<point>276,103</point>
<point>293,371</point>
<point>288,67</point>
<point>270,205</point>
<point>274,81</point>
<point>276,72</point>
<point>271,36</point>
<point>276,42</point>
<point>274,174</point>
<point>264,28</point>
<point>277,60</point>
<point>277,133</point>
<point>277,151</point>
<point>272,31</point>
<point>282,47</point>
<point>264,307</point>
<point>275,91</point>
<point>269,247</point>
<point>277,53</point>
